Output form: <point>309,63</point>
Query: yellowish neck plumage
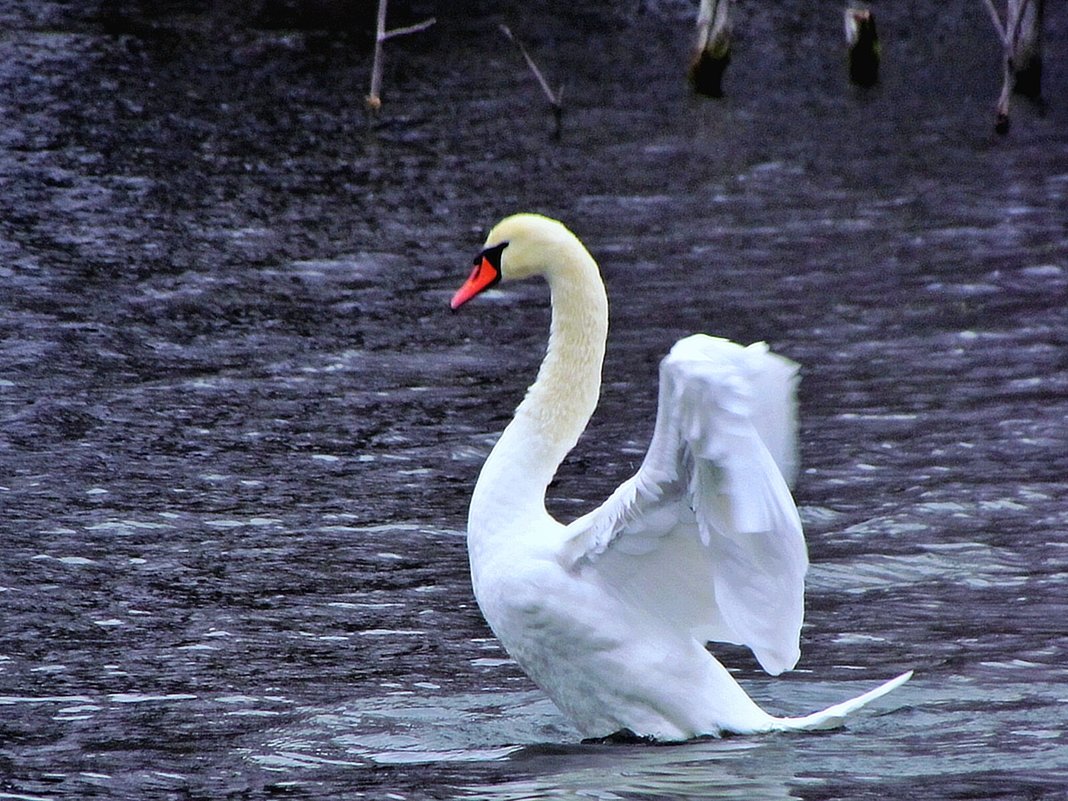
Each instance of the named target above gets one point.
<point>558,405</point>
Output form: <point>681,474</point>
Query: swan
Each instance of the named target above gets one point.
<point>609,614</point>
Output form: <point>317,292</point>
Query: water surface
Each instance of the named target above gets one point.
<point>240,427</point>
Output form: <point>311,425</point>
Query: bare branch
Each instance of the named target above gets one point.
<point>1021,57</point>
<point>374,98</point>
<point>996,19</point>
<point>554,99</point>
<point>1012,40</point>
<point>417,28</point>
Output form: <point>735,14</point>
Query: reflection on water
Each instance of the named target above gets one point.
<point>435,731</point>
<point>705,769</point>
<point>510,734</point>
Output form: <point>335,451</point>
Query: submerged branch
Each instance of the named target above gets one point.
<point>555,98</point>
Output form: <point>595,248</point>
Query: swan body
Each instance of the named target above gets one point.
<point>610,614</point>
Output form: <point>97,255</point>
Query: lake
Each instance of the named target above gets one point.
<point>239,426</point>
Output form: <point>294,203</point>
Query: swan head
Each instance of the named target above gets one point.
<point>518,247</point>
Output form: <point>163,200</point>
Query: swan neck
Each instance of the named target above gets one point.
<point>559,404</point>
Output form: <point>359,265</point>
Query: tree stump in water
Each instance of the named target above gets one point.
<point>713,51</point>
<point>863,42</point>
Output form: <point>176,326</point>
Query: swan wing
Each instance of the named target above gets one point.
<point>706,536</point>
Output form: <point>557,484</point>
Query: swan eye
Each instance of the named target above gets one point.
<point>493,256</point>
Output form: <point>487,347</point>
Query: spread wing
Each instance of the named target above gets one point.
<point>706,535</point>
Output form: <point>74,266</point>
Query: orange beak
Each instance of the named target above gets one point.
<point>482,278</point>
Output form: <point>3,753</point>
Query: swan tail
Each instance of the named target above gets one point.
<point>834,716</point>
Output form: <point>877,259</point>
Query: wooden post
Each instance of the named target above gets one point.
<point>374,97</point>
<point>863,43</point>
<point>1021,41</point>
<point>713,51</point>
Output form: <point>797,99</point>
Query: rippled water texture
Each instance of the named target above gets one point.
<point>240,426</point>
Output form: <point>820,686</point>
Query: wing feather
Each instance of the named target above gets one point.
<point>706,534</point>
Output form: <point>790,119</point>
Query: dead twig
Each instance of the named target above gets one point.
<point>555,98</point>
<point>417,28</point>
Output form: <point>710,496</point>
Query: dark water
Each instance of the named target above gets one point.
<point>239,426</point>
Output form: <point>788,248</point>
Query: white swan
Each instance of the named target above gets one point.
<point>609,614</point>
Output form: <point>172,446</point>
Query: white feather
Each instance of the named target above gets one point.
<point>709,476</point>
